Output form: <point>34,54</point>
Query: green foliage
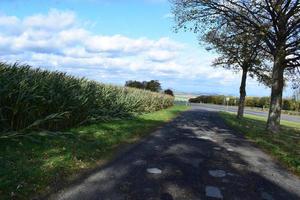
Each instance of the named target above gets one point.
<point>169,92</point>
<point>34,165</point>
<point>135,84</point>
<point>239,51</point>
<point>284,145</point>
<point>260,102</point>
<point>152,85</point>
<point>37,99</point>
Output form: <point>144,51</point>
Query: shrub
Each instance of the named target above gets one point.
<point>39,99</point>
<point>169,92</point>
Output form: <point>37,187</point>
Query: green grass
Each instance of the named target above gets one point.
<point>35,163</point>
<point>284,146</point>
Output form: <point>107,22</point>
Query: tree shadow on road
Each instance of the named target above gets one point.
<point>187,150</point>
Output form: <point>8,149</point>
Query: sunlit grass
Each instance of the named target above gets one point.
<point>30,166</point>
<point>284,146</point>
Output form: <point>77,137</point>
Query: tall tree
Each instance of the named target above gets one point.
<point>153,86</point>
<point>135,84</point>
<point>276,22</point>
<point>238,52</point>
<point>296,95</point>
<point>169,92</point>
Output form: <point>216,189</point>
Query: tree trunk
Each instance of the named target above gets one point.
<point>273,124</point>
<point>240,112</point>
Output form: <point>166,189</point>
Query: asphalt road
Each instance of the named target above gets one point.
<point>196,156</point>
<point>213,107</point>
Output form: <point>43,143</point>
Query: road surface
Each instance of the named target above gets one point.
<point>196,156</point>
<point>249,111</point>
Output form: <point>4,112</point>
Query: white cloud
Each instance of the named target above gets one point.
<point>8,20</point>
<point>161,55</point>
<point>55,20</point>
<point>58,40</point>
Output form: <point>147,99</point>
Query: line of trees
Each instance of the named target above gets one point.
<point>260,37</point>
<point>259,102</point>
<point>153,85</point>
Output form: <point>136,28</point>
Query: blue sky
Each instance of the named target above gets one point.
<point>111,42</point>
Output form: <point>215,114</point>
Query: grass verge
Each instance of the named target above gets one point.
<point>284,146</point>
<point>36,164</point>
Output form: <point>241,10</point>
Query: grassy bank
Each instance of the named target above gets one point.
<point>284,146</point>
<point>32,163</point>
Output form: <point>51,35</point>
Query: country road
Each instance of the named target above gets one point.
<point>196,156</point>
<point>214,107</point>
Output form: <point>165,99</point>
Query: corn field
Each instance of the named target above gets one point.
<point>33,99</point>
